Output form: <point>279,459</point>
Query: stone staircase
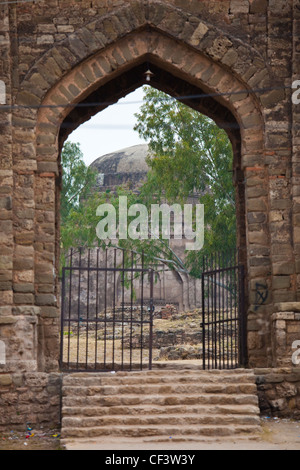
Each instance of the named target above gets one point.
<point>160,404</point>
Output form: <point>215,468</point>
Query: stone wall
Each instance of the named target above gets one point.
<point>279,392</point>
<point>285,334</point>
<point>165,338</point>
<point>35,397</point>
<point>30,397</point>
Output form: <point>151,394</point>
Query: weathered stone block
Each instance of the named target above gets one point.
<point>24,288</point>
<point>7,320</point>
<point>281,282</point>
<point>65,28</point>
<point>288,309</point>
<point>283,268</point>
<point>6,262</point>
<point>256,205</point>
<point>49,312</point>
<point>24,238</point>
<point>269,100</point>
<point>28,310</point>
<point>6,203</point>
<point>239,6</point>
<point>5,380</point>
<point>258,6</point>
<point>5,311</point>
<point>23,264</point>
<point>257,238</point>
<point>45,299</point>
<point>23,298</point>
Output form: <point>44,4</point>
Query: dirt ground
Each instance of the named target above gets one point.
<point>277,434</point>
<point>33,440</point>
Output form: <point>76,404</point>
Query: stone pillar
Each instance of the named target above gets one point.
<point>285,190</point>
<point>295,133</point>
<point>6,193</point>
<point>285,333</point>
<point>283,179</point>
<point>45,267</point>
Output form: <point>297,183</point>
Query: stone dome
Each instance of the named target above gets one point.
<point>126,166</point>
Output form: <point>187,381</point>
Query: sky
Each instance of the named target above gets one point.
<point>111,129</point>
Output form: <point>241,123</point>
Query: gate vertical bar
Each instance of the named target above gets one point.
<point>242,317</point>
<point>87,311</point>
<point>236,313</point>
<point>105,309</point>
<point>97,308</point>
<point>223,318</point>
<point>123,300</point>
<point>62,318</point>
<point>230,330</point>
<point>210,327</point>
<point>70,300</point>
<point>78,306</point>
<point>219,312</point>
<point>114,308</point>
<point>203,316</point>
<point>232,310</point>
<point>151,320</point>
<point>227,314</point>
<point>215,311</point>
<point>142,313</point>
<point>131,311</point>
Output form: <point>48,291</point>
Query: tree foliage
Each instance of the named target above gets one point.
<point>76,199</point>
<point>190,154</point>
<point>79,220</point>
<point>78,179</point>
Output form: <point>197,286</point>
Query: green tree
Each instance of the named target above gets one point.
<point>78,179</point>
<point>76,199</point>
<point>189,153</point>
<point>79,220</point>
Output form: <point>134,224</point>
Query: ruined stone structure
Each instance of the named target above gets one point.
<point>128,168</point>
<point>59,58</point>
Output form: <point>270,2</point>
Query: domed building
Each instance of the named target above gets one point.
<point>124,167</point>
<point>128,167</point>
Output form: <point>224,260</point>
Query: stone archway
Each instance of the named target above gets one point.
<point>180,71</point>
<point>103,59</point>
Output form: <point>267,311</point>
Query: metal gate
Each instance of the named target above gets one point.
<point>106,311</point>
<point>223,312</point>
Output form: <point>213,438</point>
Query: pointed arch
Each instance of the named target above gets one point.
<point>106,59</point>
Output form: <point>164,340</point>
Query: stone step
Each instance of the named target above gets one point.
<point>167,400</point>
<point>144,409</point>
<point>168,368</point>
<point>161,378</point>
<point>157,420</point>
<point>242,437</point>
<point>185,403</point>
<point>154,389</point>
<point>158,430</point>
